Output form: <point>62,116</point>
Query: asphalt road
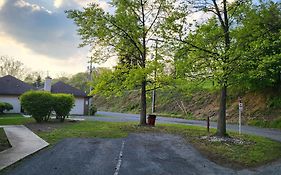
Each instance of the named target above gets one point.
<point>273,134</point>
<point>138,154</point>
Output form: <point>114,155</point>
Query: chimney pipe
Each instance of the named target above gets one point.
<point>48,84</point>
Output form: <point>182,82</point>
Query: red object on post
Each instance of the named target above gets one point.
<point>151,119</point>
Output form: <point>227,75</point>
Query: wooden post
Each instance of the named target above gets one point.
<point>208,124</point>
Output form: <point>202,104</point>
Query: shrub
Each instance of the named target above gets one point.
<point>5,107</point>
<point>62,104</point>
<point>38,104</point>
<point>93,109</point>
<point>274,102</point>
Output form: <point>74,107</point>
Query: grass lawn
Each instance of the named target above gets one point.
<point>4,143</point>
<point>266,124</point>
<point>259,150</point>
<point>14,119</point>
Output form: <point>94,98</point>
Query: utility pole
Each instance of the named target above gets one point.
<point>153,109</point>
<point>90,67</point>
<point>91,72</point>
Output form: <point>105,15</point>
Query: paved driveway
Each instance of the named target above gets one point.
<point>274,134</point>
<point>138,154</point>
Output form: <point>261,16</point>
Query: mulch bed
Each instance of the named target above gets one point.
<point>48,126</point>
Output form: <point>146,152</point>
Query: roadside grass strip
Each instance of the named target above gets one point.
<point>245,151</point>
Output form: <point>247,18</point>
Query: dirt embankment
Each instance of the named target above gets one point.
<point>199,105</point>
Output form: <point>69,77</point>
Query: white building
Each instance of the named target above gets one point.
<point>11,88</point>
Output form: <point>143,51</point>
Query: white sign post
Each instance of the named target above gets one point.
<point>240,113</point>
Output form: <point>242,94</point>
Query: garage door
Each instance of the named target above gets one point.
<point>78,109</point>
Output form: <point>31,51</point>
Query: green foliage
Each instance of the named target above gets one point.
<point>127,32</point>
<point>38,104</point>
<point>258,43</point>
<point>62,105</point>
<point>274,102</point>
<point>5,107</point>
<point>93,109</point>
<point>266,124</point>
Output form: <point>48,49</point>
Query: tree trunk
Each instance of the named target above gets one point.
<point>143,104</point>
<point>221,127</point>
<point>143,62</point>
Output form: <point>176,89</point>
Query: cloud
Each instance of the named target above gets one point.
<point>2,2</point>
<point>58,3</point>
<point>37,62</point>
<point>33,7</point>
<point>70,4</point>
<point>46,33</point>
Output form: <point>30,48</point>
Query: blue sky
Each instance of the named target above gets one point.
<point>38,33</point>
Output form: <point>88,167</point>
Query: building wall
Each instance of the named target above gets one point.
<point>78,109</point>
<point>86,106</point>
<point>13,100</point>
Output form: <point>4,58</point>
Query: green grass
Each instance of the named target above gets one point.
<point>4,143</point>
<point>260,151</point>
<point>266,124</point>
<point>85,129</point>
<point>14,119</point>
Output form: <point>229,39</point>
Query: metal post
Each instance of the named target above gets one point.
<point>239,121</point>
<point>153,102</point>
<point>154,91</point>
<point>90,80</point>
<point>240,108</point>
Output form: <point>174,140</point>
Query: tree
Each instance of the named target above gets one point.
<point>33,78</point>
<point>10,66</point>
<point>80,81</point>
<point>127,32</point>
<point>209,48</point>
<point>258,38</point>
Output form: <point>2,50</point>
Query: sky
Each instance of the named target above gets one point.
<point>37,33</point>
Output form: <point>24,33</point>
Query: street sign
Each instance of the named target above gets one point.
<point>240,106</point>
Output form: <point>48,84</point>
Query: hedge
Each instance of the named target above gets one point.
<point>5,107</point>
<point>63,103</point>
<point>40,104</point>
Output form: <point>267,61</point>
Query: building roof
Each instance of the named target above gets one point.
<point>10,85</point>
<point>61,87</point>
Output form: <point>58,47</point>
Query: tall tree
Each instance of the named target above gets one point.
<point>80,81</point>
<point>128,31</point>
<point>210,46</point>
<point>10,66</point>
<point>258,38</point>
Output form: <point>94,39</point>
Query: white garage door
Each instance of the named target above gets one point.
<point>13,100</point>
<point>78,109</point>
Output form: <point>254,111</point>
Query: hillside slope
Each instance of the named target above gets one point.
<point>259,107</point>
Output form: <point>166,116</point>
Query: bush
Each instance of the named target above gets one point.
<point>5,107</point>
<point>93,110</point>
<point>274,102</point>
<point>62,105</point>
<point>39,104</point>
